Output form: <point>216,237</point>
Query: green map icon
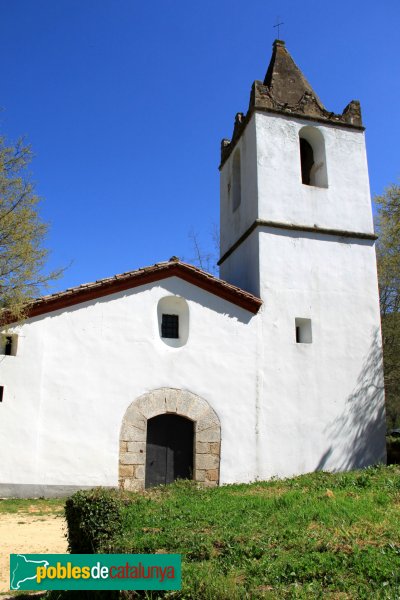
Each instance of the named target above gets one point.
<point>23,569</point>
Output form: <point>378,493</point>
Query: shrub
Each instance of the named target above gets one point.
<point>393,450</point>
<point>393,441</point>
<point>93,518</point>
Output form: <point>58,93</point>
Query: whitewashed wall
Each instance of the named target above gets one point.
<point>345,204</point>
<point>272,189</point>
<point>321,405</point>
<point>78,369</point>
<point>234,223</point>
<point>285,408</point>
<point>323,402</point>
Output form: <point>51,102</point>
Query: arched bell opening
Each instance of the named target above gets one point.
<point>313,157</point>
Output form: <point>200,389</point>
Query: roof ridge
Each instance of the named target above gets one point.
<point>130,279</point>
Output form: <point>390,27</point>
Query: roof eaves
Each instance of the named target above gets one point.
<point>132,279</point>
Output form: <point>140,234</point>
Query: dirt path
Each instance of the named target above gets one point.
<point>22,533</point>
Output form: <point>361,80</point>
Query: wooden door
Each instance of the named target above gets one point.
<point>169,449</point>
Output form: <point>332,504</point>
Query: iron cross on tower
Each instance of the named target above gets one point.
<point>278,24</point>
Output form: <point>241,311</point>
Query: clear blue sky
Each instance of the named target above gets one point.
<point>125,103</point>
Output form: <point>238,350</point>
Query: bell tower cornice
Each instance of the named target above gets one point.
<point>286,91</point>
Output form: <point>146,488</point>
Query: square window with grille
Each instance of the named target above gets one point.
<point>170,326</point>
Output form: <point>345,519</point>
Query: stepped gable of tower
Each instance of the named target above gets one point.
<point>286,91</point>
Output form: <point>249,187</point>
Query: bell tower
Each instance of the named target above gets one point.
<point>291,166</point>
<point>297,230</point>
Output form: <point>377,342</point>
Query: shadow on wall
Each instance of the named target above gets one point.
<point>360,430</point>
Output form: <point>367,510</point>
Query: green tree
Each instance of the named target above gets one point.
<point>22,255</point>
<point>388,254</point>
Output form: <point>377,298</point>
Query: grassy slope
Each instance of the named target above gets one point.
<point>315,536</point>
<point>40,506</point>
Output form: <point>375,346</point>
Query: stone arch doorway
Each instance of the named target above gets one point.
<point>168,401</point>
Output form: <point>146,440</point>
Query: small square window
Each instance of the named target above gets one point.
<point>303,331</point>
<point>8,344</point>
<point>170,326</point>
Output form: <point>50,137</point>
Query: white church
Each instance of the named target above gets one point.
<point>169,372</point>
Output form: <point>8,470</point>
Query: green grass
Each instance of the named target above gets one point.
<point>315,536</point>
<point>33,507</point>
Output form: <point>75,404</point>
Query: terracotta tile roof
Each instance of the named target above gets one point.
<point>124,281</point>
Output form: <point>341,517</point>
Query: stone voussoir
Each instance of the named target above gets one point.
<point>129,433</point>
<point>213,434</point>
<point>162,401</point>
<point>170,396</point>
<point>135,417</point>
<point>196,412</point>
<point>210,419</point>
<point>182,404</point>
<point>145,405</point>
